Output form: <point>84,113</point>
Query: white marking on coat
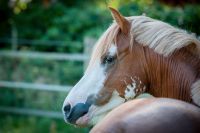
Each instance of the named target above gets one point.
<point>130,91</point>
<point>90,83</point>
<point>113,50</point>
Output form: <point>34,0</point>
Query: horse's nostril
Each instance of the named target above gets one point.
<point>67,108</point>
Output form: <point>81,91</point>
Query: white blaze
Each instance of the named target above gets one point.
<point>113,50</point>
<point>90,83</point>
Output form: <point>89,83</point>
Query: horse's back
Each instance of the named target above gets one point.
<point>154,115</point>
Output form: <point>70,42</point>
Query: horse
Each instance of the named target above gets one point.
<point>135,55</point>
<point>151,115</point>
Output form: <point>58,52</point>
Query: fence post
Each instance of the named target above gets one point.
<point>14,36</point>
<point>88,45</point>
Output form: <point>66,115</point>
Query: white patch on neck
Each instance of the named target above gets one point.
<point>135,88</point>
<point>130,91</point>
<point>113,50</point>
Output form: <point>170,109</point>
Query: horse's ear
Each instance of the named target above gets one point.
<point>121,20</point>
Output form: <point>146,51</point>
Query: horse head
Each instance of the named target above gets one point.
<point>133,56</point>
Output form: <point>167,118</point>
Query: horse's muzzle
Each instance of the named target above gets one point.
<point>71,115</point>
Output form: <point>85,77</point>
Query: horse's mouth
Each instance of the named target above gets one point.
<point>83,121</point>
<point>91,118</point>
<point>86,119</point>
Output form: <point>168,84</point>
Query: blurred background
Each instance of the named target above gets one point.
<point>45,46</point>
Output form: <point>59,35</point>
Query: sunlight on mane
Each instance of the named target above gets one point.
<point>161,37</point>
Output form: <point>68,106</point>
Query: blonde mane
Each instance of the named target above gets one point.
<point>157,35</point>
<point>161,37</point>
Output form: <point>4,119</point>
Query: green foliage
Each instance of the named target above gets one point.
<point>60,21</point>
<point>73,20</point>
<point>40,71</point>
<point>57,22</point>
<point>186,17</point>
<point>32,99</point>
<point>36,71</point>
<point>24,124</point>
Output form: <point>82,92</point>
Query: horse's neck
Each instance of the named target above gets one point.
<point>170,76</point>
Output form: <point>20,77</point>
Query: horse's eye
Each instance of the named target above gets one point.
<point>108,60</point>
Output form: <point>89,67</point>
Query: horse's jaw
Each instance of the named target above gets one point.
<point>97,113</point>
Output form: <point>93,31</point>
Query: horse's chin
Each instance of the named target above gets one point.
<point>83,121</point>
<point>90,120</point>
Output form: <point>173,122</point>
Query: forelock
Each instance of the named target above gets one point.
<point>104,43</point>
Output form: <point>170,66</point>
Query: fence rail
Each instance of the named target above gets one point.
<point>34,86</point>
<point>23,111</point>
<point>14,53</point>
<point>43,55</point>
<point>22,41</point>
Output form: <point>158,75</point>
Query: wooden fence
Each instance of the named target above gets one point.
<point>13,53</point>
